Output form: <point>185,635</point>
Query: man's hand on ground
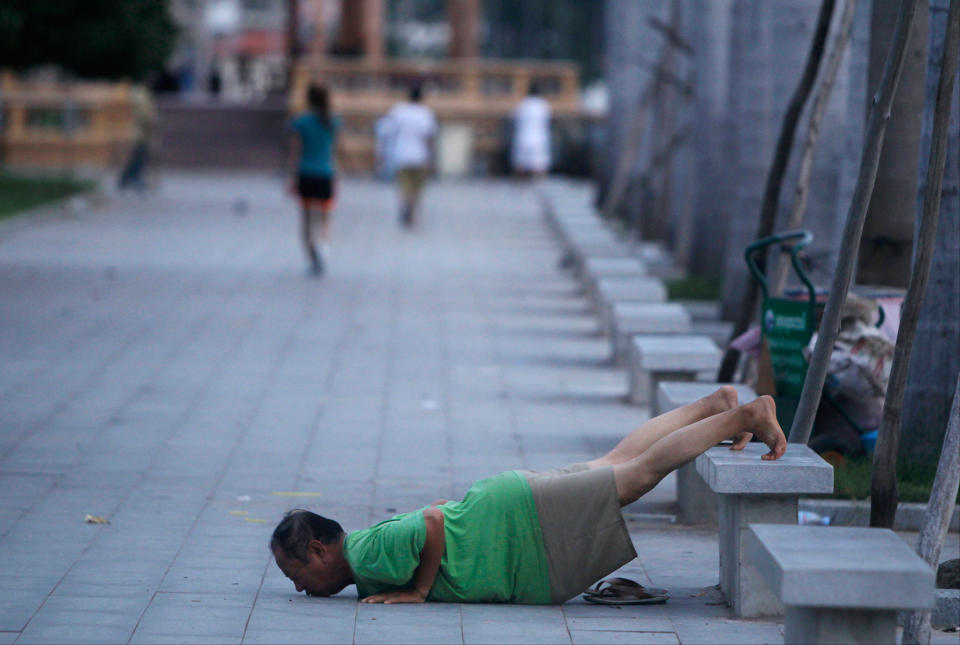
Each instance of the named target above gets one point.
<point>396,597</point>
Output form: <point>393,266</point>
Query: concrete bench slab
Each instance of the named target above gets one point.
<point>696,503</point>
<point>578,241</point>
<point>752,490</point>
<point>701,309</point>
<point>946,613</point>
<point>655,358</point>
<point>840,584</point>
<point>799,471</point>
<point>659,261</point>
<point>607,291</point>
<point>572,233</point>
<point>718,330</point>
<point>631,318</point>
<point>614,267</point>
<point>582,251</point>
<point>628,289</point>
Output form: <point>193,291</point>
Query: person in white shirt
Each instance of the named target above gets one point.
<point>411,127</point>
<point>530,153</point>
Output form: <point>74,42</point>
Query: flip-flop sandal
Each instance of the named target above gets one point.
<point>623,591</point>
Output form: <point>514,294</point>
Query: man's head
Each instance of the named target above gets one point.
<point>534,88</point>
<point>308,549</point>
<point>416,92</point>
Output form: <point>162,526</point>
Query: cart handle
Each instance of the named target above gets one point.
<point>804,237</point>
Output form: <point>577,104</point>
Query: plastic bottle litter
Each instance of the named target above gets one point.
<point>810,518</point>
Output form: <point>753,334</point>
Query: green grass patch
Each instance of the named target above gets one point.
<point>693,287</point>
<point>851,480</point>
<point>19,193</point>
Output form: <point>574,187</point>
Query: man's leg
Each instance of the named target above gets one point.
<point>324,224</point>
<point>418,177</point>
<point>634,444</point>
<point>306,237</point>
<point>636,477</point>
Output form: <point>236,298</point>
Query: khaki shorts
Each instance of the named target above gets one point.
<point>584,534</point>
<point>411,180</point>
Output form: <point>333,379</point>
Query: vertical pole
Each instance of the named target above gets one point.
<point>850,243</point>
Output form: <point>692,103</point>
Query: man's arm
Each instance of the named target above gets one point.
<point>426,573</point>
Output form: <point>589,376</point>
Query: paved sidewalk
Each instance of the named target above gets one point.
<point>168,364</point>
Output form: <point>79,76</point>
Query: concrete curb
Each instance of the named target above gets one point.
<point>857,513</point>
<point>946,613</point>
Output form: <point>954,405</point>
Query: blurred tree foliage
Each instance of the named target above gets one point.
<point>535,29</point>
<point>547,29</point>
<point>91,38</point>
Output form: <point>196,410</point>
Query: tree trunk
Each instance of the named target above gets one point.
<point>629,46</point>
<point>936,350</point>
<point>936,521</point>
<point>885,250</point>
<point>628,156</point>
<point>802,190</point>
<point>658,227</point>
<point>883,480</point>
<point>771,193</point>
<point>873,144</point>
<point>748,140</point>
<point>855,93</point>
<point>710,28</point>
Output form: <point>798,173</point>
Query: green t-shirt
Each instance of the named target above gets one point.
<point>494,549</point>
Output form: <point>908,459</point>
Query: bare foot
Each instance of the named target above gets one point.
<point>763,423</point>
<point>741,440</point>
<point>722,400</point>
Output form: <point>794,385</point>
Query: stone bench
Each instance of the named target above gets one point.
<point>840,584</point>
<point>595,268</point>
<point>696,503</point>
<point>607,291</point>
<point>752,490</point>
<point>659,261</point>
<point>583,251</point>
<point>628,319</point>
<point>656,358</point>
<point>701,309</point>
<point>718,330</point>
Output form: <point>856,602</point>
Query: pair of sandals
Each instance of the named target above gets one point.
<point>623,591</point>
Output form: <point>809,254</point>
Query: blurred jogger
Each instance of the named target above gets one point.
<point>530,153</point>
<point>315,181</point>
<point>144,135</point>
<point>411,126</point>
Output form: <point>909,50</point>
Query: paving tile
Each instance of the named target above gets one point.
<point>192,617</point>
<point>706,630</point>
<point>513,623</point>
<point>75,633</point>
<point>580,637</point>
<point>658,622</point>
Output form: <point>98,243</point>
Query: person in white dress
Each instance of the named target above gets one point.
<point>530,153</point>
<point>410,126</point>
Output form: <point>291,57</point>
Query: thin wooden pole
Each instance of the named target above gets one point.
<point>822,96</point>
<point>635,136</point>
<point>771,193</point>
<point>883,479</point>
<point>853,229</point>
<point>936,522</point>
